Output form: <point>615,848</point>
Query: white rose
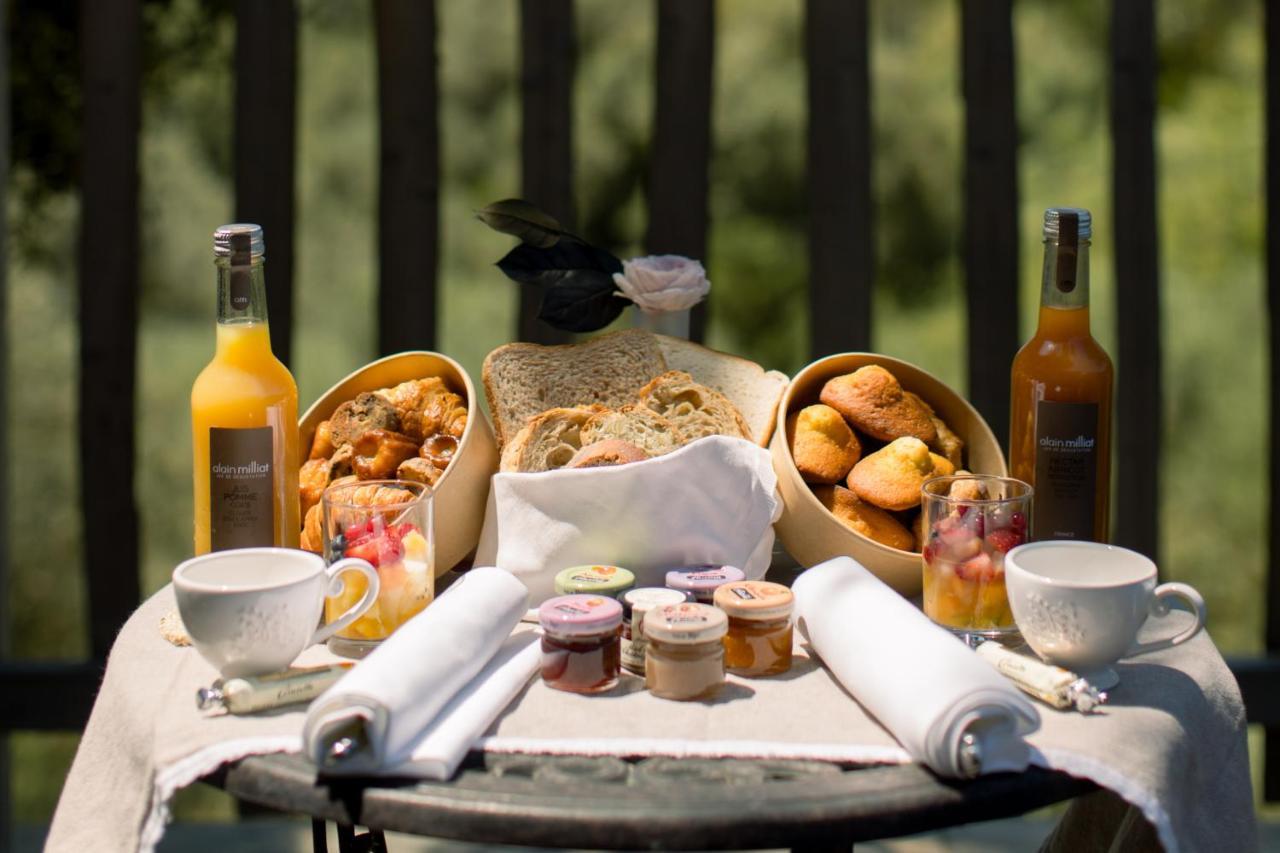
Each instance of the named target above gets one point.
<point>659,283</point>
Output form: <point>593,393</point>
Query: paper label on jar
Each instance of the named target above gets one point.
<point>241,513</point>
<point>1066,470</point>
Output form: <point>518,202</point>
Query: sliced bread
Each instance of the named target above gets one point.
<point>548,441</point>
<point>696,410</point>
<point>521,380</point>
<point>754,390</point>
<point>637,425</point>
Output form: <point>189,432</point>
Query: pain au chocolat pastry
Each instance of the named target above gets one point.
<point>822,445</point>
<point>891,477</point>
<point>871,521</point>
<point>872,399</point>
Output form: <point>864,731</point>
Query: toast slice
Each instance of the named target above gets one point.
<point>522,380</point>
<point>695,409</point>
<point>754,390</point>
<point>548,441</point>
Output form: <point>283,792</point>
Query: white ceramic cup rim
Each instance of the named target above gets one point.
<point>296,555</point>
<point>1147,572</point>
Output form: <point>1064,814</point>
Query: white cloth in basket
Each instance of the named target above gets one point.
<point>711,501</point>
<point>923,685</point>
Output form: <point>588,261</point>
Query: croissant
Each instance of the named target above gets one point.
<point>312,535</point>
<point>313,479</point>
<point>322,444</point>
<point>379,452</point>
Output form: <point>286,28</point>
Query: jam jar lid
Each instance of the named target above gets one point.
<point>580,614</point>
<point>704,578</point>
<point>646,598</point>
<point>685,623</point>
<point>755,600</point>
<point>606,580</point>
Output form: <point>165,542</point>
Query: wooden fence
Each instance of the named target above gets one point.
<point>51,696</point>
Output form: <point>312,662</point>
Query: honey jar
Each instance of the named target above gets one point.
<point>580,642</point>
<point>685,654</point>
<point>759,638</point>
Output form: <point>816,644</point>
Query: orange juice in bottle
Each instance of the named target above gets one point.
<point>244,414</point>
<point>1060,418</point>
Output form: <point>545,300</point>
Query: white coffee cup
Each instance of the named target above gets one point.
<point>1080,604</point>
<point>251,611</point>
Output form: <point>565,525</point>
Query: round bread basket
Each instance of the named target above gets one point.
<point>809,532</point>
<point>459,495</point>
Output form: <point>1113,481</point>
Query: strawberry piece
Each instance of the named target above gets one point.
<point>1004,539</point>
<point>978,569</point>
<point>367,550</point>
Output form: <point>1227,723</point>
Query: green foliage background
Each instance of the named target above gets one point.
<point>1211,220</point>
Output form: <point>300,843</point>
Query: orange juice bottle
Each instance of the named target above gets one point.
<point>1060,429</point>
<point>244,414</point>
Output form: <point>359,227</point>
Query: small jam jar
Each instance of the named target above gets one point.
<point>759,638</point>
<point>635,603</point>
<point>594,580</point>
<point>703,580</point>
<point>685,655</point>
<point>580,642</point>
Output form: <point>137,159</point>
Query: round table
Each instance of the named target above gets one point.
<point>610,803</point>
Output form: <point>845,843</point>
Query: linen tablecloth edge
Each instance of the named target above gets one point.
<point>201,763</point>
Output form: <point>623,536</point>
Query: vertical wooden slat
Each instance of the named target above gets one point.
<point>110,36</point>
<point>265,132</point>
<point>678,166</point>
<point>1133,185</point>
<point>990,206</point>
<point>1271,15</point>
<point>841,254</point>
<point>547,59</point>
<point>409,174</point>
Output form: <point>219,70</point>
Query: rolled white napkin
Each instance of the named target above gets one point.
<point>712,501</point>
<point>388,700</point>
<point>923,685</point>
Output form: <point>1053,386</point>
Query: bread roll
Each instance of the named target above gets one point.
<point>872,399</point>
<point>891,477</point>
<point>871,521</point>
<point>609,451</point>
<point>823,446</point>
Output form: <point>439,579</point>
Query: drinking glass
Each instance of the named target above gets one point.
<point>389,524</point>
<point>970,522</point>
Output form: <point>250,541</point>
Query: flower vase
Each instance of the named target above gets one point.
<point>673,324</point>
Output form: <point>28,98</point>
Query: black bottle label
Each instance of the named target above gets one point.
<point>1066,470</point>
<point>241,514</point>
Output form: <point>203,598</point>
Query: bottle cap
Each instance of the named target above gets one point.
<point>580,614</point>
<point>685,623</point>
<point>1084,222</point>
<point>240,236</point>
<point>603,580</point>
<point>761,600</point>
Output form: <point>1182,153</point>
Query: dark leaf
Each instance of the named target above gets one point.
<point>581,301</point>
<point>531,265</point>
<point>521,219</point>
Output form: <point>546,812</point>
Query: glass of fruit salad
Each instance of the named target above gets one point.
<point>969,522</point>
<point>388,523</point>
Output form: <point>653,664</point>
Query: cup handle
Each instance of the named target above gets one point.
<point>1160,607</point>
<point>333,586</point>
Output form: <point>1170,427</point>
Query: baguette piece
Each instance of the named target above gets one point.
<point>754,390</point>
<point>696,410</point>
<point>636,425</point>
<point>548,441</point>
<point>610,451</point>
<point>521,380</point>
